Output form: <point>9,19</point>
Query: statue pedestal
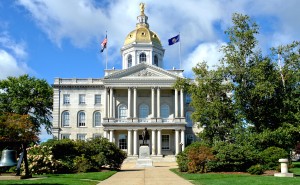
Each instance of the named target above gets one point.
<point>144,158</point>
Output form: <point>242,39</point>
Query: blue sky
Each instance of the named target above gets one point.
<point>55,38</point>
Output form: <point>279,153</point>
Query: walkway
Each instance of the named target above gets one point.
<point>157,175</point>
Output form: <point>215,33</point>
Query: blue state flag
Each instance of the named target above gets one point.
<point>174,40</point>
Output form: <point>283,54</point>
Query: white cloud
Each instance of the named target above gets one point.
<point>9,65</point>
<point>12,55</point>
<point>208,52</point>
<point>84,22</point>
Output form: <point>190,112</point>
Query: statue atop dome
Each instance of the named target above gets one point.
<point>142,8</point>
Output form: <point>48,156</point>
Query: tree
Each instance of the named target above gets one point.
<point>26,95</point>
<point>212,103</point>
<point>17,130</point>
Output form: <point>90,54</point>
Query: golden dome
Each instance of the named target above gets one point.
<point>142,33</point>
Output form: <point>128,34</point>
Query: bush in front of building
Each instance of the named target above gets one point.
<point>195,158</point>
<point>69,156</point>
<point>270,156</point>
<point>233,157</point>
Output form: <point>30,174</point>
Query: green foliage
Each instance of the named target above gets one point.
<point>233,157</point>
<point>256,169</point>
<point>198,158</point>
<point>75,156</point>
<point>41,160</point>
<point>26,95</point>
<point>271,155</point>
<point>194,158</point>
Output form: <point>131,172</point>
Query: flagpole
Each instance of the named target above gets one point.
<point>106,53</point>
<point>179,51</point>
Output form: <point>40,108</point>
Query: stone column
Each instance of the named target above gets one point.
<point>111,102</point>
<point>181,104</point>
<point>152,102</point>
<point>105,103</point>
<point>129,142</point>
<point>129,103</point>
<point>176,142</point>
<point>105,134</point>
<point>135,142</point>
<point>111,135</point>
<point>182,138</point>
<point>134,102</point>
<point>176,103</point>
<point>153,143</point>
<point>158,142</point>
<point>158,102</point>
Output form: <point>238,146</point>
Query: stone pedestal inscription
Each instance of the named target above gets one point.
<point>144,157</point>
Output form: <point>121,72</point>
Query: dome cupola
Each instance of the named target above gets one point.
<point>142,44</point>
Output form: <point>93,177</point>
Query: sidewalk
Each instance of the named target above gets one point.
<point>157,175</point>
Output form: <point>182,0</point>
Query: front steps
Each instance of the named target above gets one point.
<point>168,158</point>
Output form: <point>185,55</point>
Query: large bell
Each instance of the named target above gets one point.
<point>8,158</point>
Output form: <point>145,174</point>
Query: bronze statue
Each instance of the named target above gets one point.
<point>145,136</point>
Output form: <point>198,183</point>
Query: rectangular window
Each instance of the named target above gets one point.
<point>65,136</point>
<point>189,139</point>
<point>123,141</point>
<point>165,142</point>
<point>66,99</point>
<point>81,137</point>
<point>81,98</point>
<point>97,99</point>
<point>96,135</point>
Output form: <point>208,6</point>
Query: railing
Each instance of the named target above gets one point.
<point>140,120</point>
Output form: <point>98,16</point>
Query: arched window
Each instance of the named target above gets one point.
<point>129,61</point>
<point>81,119</point>
<point>97,119</point>
<point>122,111</point>
<point>65,119</point>
<point>165,111</point>
<point>155,60</point>
<point>143,111</point>
<point>188,119</point>
<point>142,57</point>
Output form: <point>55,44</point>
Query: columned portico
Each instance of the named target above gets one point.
<point>181,104</point>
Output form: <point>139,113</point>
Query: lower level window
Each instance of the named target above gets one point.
<point>81,137</point>
<point>122,141</point>
<point>165,142</point>
<point>65,136</point>
<point>189,139</point>
<point>96,135</point>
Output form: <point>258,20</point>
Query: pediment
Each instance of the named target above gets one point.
<point>142,71</point>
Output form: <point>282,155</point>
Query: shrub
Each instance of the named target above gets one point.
<point>256,169</point>
<point>41,160</point>
<point>233,157</point>
<point>198,158</point>
<point>191,161</point>
<point>270,156</point>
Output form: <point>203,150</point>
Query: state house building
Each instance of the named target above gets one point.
<point>124,102</point>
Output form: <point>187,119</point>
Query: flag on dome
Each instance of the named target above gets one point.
<point>103,44</point>
<point>174,40</point>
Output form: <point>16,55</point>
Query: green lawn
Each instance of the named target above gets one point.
<point>238,179</point>
<point>92,178</point>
